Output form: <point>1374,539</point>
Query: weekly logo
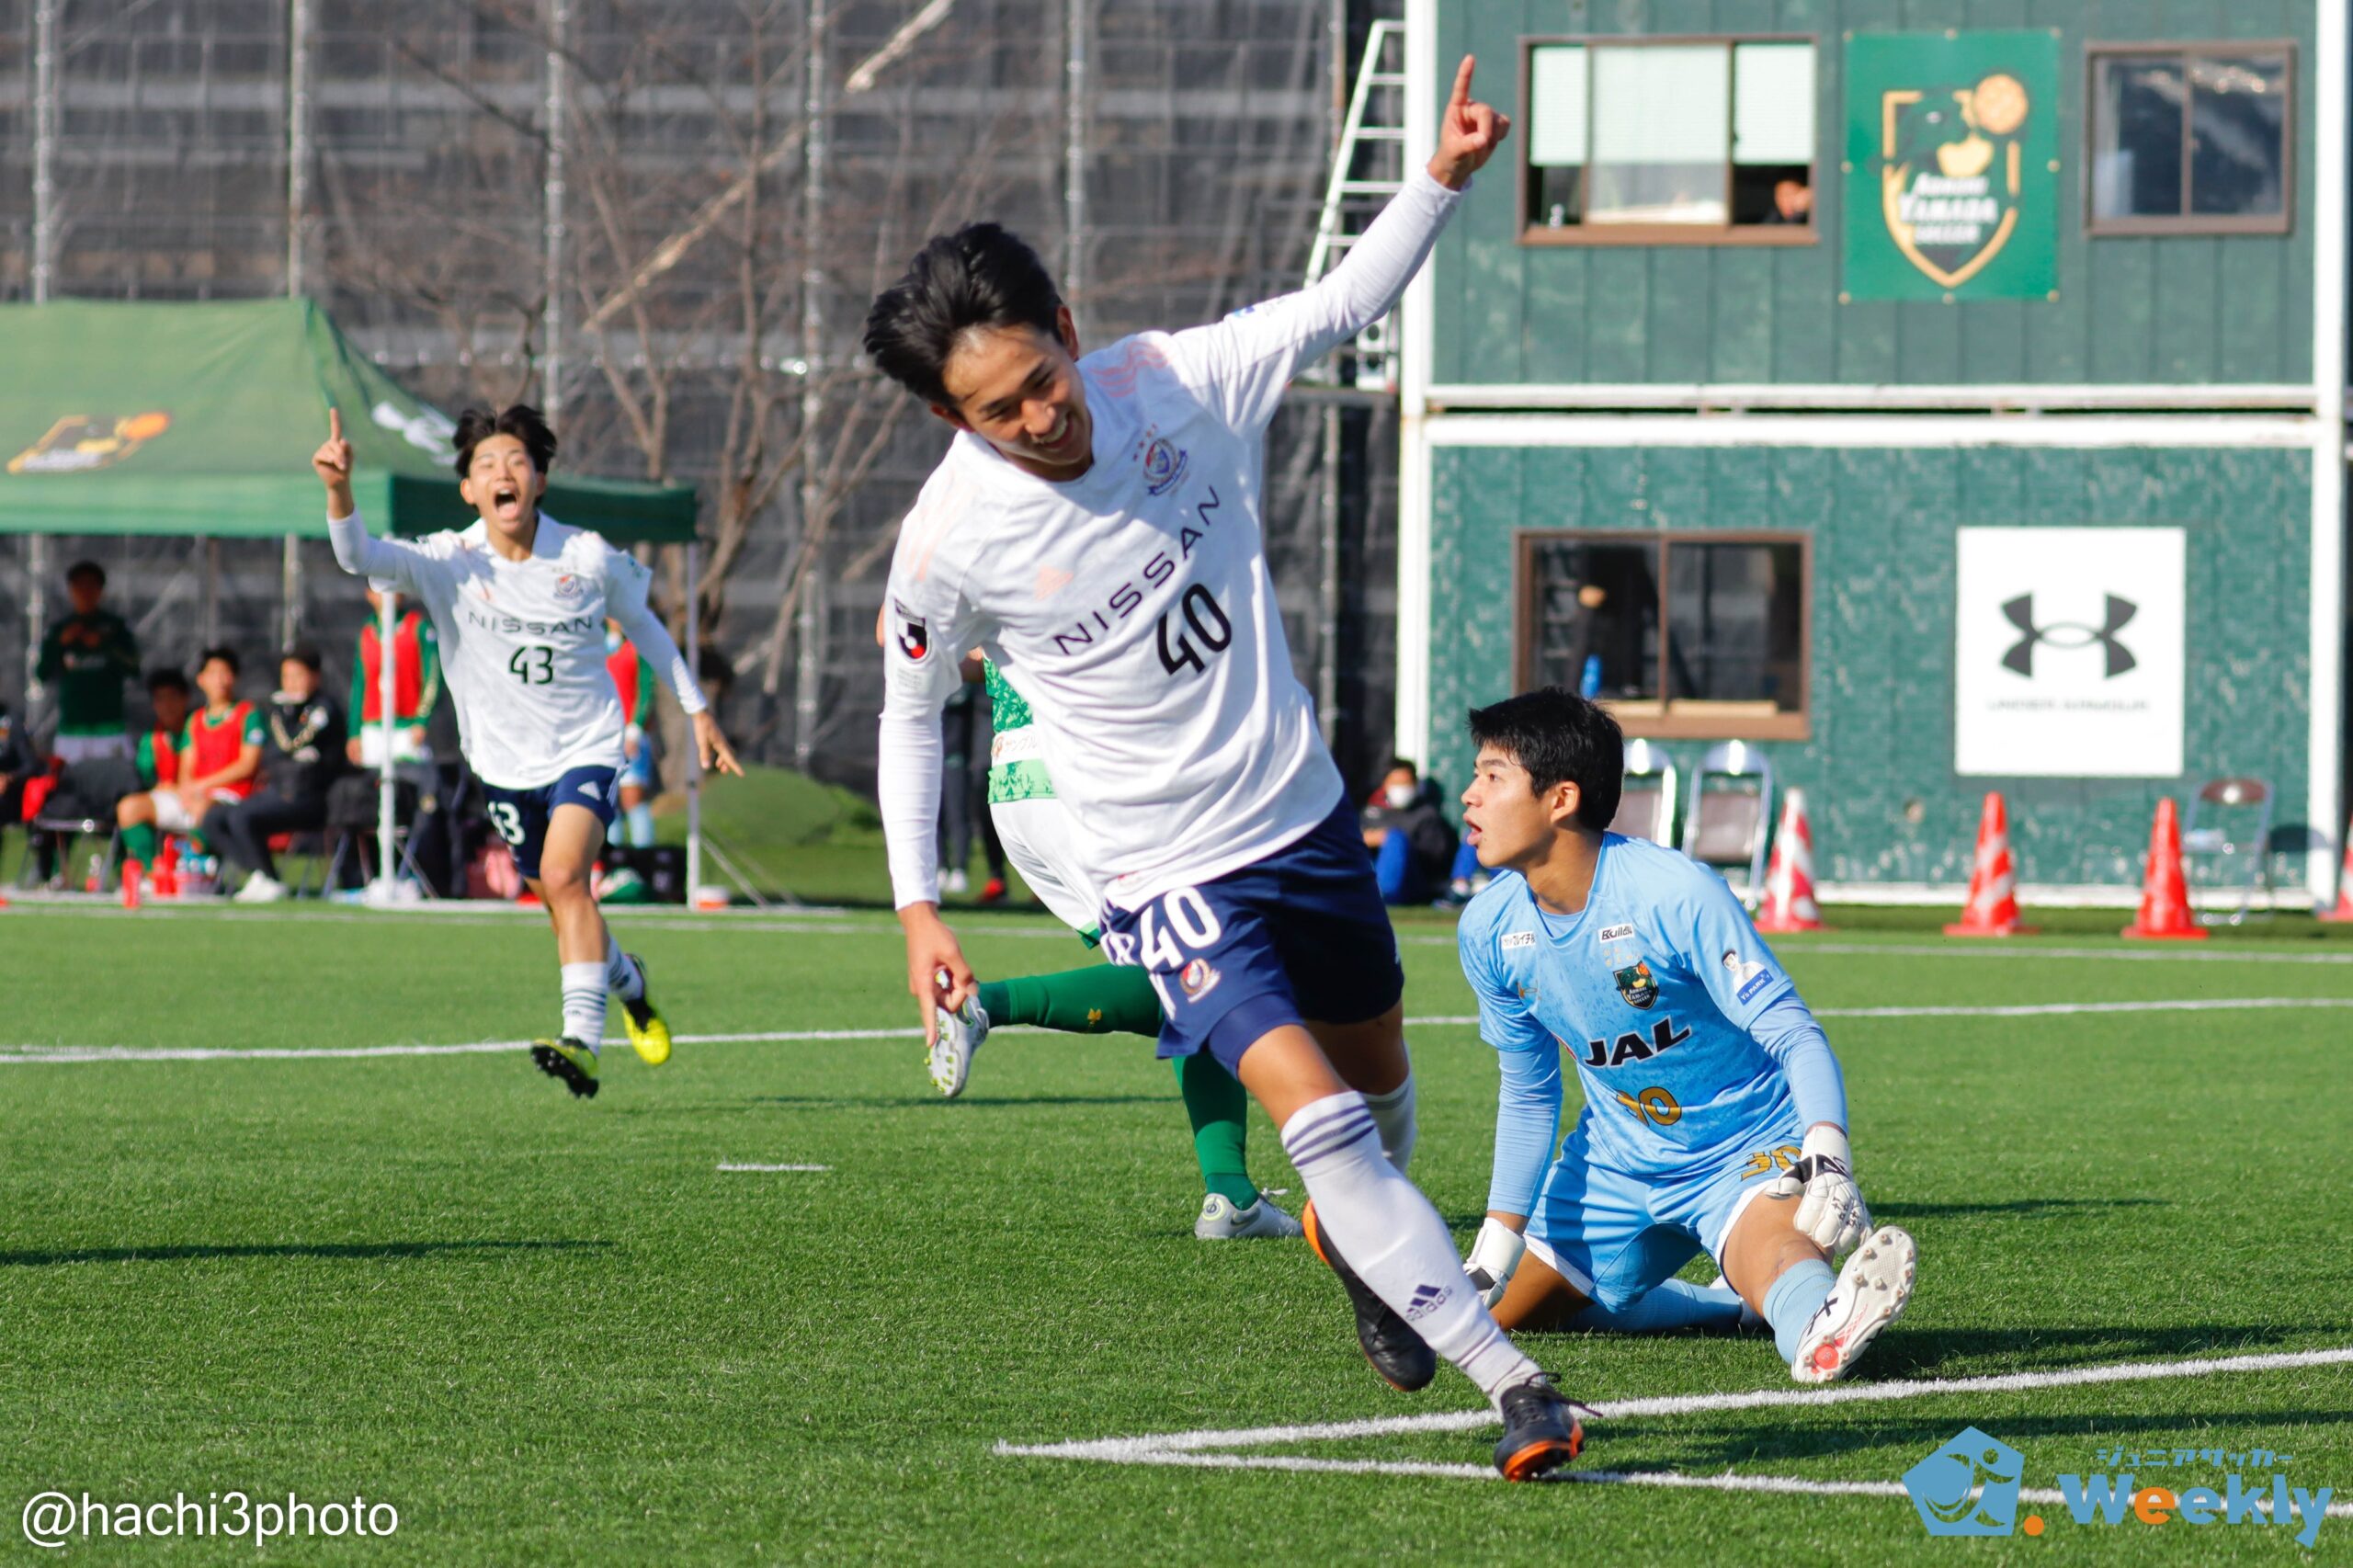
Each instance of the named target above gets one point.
<point>1969,1487</point>
<point>82,443</point>
<point>1952,186</point>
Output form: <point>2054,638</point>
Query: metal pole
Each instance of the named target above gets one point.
<point>298,201</point>
<point>559,144</point>
<point>694,752</point>
<point>1075,20</point>
<point>387,618</point>
<point>44,262</point>
<point>1328,598</point>
<point>808,679</point>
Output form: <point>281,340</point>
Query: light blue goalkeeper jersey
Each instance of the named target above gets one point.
<point>1651,990</point>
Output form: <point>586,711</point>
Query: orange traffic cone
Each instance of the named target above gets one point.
<point>1993,906</point>
<point>1789,880</point>
<point>2344,910</point>
<point>2164,895</point>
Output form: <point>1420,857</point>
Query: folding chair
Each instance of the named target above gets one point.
<point>1731,813</point>
<point>2228,840</point>
<point>1646,805</point>
<point>61,832</point>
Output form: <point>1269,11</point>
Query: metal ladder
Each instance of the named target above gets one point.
<point>1367,170</point>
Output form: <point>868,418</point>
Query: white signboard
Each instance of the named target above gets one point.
<point>2070,653</point>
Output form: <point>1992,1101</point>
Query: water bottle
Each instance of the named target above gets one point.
<point>1589,684</point>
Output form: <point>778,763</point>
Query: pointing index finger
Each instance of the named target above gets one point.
<point>335,423</point>
<point>1462,98</point>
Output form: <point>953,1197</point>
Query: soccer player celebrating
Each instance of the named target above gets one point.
<point>519,602</point>
<point>1708,1086</point>
<point>1095,528</point>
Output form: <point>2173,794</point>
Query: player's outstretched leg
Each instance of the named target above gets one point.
<point>1822,1322</point>
<point>625,978</point>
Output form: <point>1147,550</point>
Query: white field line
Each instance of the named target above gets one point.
<point>744,1167</point>
<point>1214,1448</point>
<point>31,1054</point>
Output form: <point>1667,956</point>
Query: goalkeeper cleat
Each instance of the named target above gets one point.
<point>961,1034</point>
<point>1403,1358</point>
<point>1542,1432</point>
<point>569,1061</point>
<point>647,1033</point>
<point>1220,1221</point>
<point>1870,1295</point>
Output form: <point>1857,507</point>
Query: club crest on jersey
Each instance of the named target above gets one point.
<point>569,588</point>
<point>914,637</point>
<point>1638,985</point>
<point>1198,979</point>
<point>1164,463</point>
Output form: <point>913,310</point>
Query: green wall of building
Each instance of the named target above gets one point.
<point>2175,309</point>
<point>1884,522</point>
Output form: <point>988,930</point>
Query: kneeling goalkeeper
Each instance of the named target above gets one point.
<point>1715,1117</point>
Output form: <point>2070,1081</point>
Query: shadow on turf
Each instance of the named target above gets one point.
<point>1933,1353</point>
<point>2021,1207</point>
<point>902,1102</point>
<point>328,1250</point>
<point>1732,1446</point>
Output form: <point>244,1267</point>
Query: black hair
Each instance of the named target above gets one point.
<point>1557,735</point>
<point>1406,764</point>
<point>301,654</point>
<point>227,656</point>
<point>979,276</point>
<point>81,569</point>
<point>166,680</point>
<point>519,420</point>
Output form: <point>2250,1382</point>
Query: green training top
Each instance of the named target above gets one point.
<point>88,657</point>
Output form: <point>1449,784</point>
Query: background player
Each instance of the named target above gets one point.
<point>1708,1086</point>
<point>1100,999</point>
<point>1094,527</point>
<point>520,601</point>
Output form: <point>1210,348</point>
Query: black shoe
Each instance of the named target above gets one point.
<point>570,1062</point>
<point>1402,1357</point>
<point>1541,1431</point>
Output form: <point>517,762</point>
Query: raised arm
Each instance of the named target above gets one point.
<point>356,550</point>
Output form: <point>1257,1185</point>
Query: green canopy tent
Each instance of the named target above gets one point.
<point>199,420</point>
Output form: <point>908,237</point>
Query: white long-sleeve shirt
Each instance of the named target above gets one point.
<point>523,641</point>
<point>1130,608</point>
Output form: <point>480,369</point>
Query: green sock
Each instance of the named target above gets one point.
<point>1100,999</point>
<point>1218,1109</point>
<point>139,842</point>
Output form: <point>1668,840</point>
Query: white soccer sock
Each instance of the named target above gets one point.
<point>1394,1113</point>
<point>583,1003</point>
<point>622,977</point>
<point>1387,1232</point>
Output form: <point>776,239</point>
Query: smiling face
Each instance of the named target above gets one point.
<point>502,484</point>
<point>1508,823</point>
<point>1018,389</point>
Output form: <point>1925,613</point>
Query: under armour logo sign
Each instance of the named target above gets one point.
<point>2019,612</point>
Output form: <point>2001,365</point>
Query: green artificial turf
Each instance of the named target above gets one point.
<point>551,1331</point>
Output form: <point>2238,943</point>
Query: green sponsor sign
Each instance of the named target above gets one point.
<point>1952,165</point>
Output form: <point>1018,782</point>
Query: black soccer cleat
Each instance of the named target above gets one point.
<point>1403,1358</point>
<point>570,1062</point>
<point>1542,1432</point>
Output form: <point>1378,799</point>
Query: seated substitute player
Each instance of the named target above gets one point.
<point>1099,998</point>
<point>519,602</point>
<point>218,764</point>
<point>1095,528</point>
<point>1715,1118</point>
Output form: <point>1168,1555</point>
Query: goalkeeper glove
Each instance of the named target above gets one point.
<point>1494,1257</point>
<point>1830,1206</point>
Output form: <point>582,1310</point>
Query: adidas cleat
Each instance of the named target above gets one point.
<point>1220,1221</point>
<point>570,1061</point>
<point>1402,1357</point>
<point>1870,1295</point>
<point>951,1058</point>
<point>1542,1432</point>
<point>647,1033</point>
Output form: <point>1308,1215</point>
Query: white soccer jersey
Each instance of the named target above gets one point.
<point>1131,606</point>
<point>523,641</point>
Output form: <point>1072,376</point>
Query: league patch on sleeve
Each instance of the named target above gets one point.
<point>914,636</point>
<point>1747,977</point>
<point>1519,939</point>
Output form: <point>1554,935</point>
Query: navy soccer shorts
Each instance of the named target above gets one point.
<point>520,816</point>
<point>1301,935</point>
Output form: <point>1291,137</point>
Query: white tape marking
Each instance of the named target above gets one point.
<point>1164,1448</point>
<point>737,1168</point>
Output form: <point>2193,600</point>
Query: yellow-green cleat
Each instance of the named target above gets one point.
<point>647,1033</point>
<point>569,1061</point>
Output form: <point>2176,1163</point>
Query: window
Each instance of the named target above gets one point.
<point>1669,142</point>
<point>1693,635</point>
<point>2191,139</point>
